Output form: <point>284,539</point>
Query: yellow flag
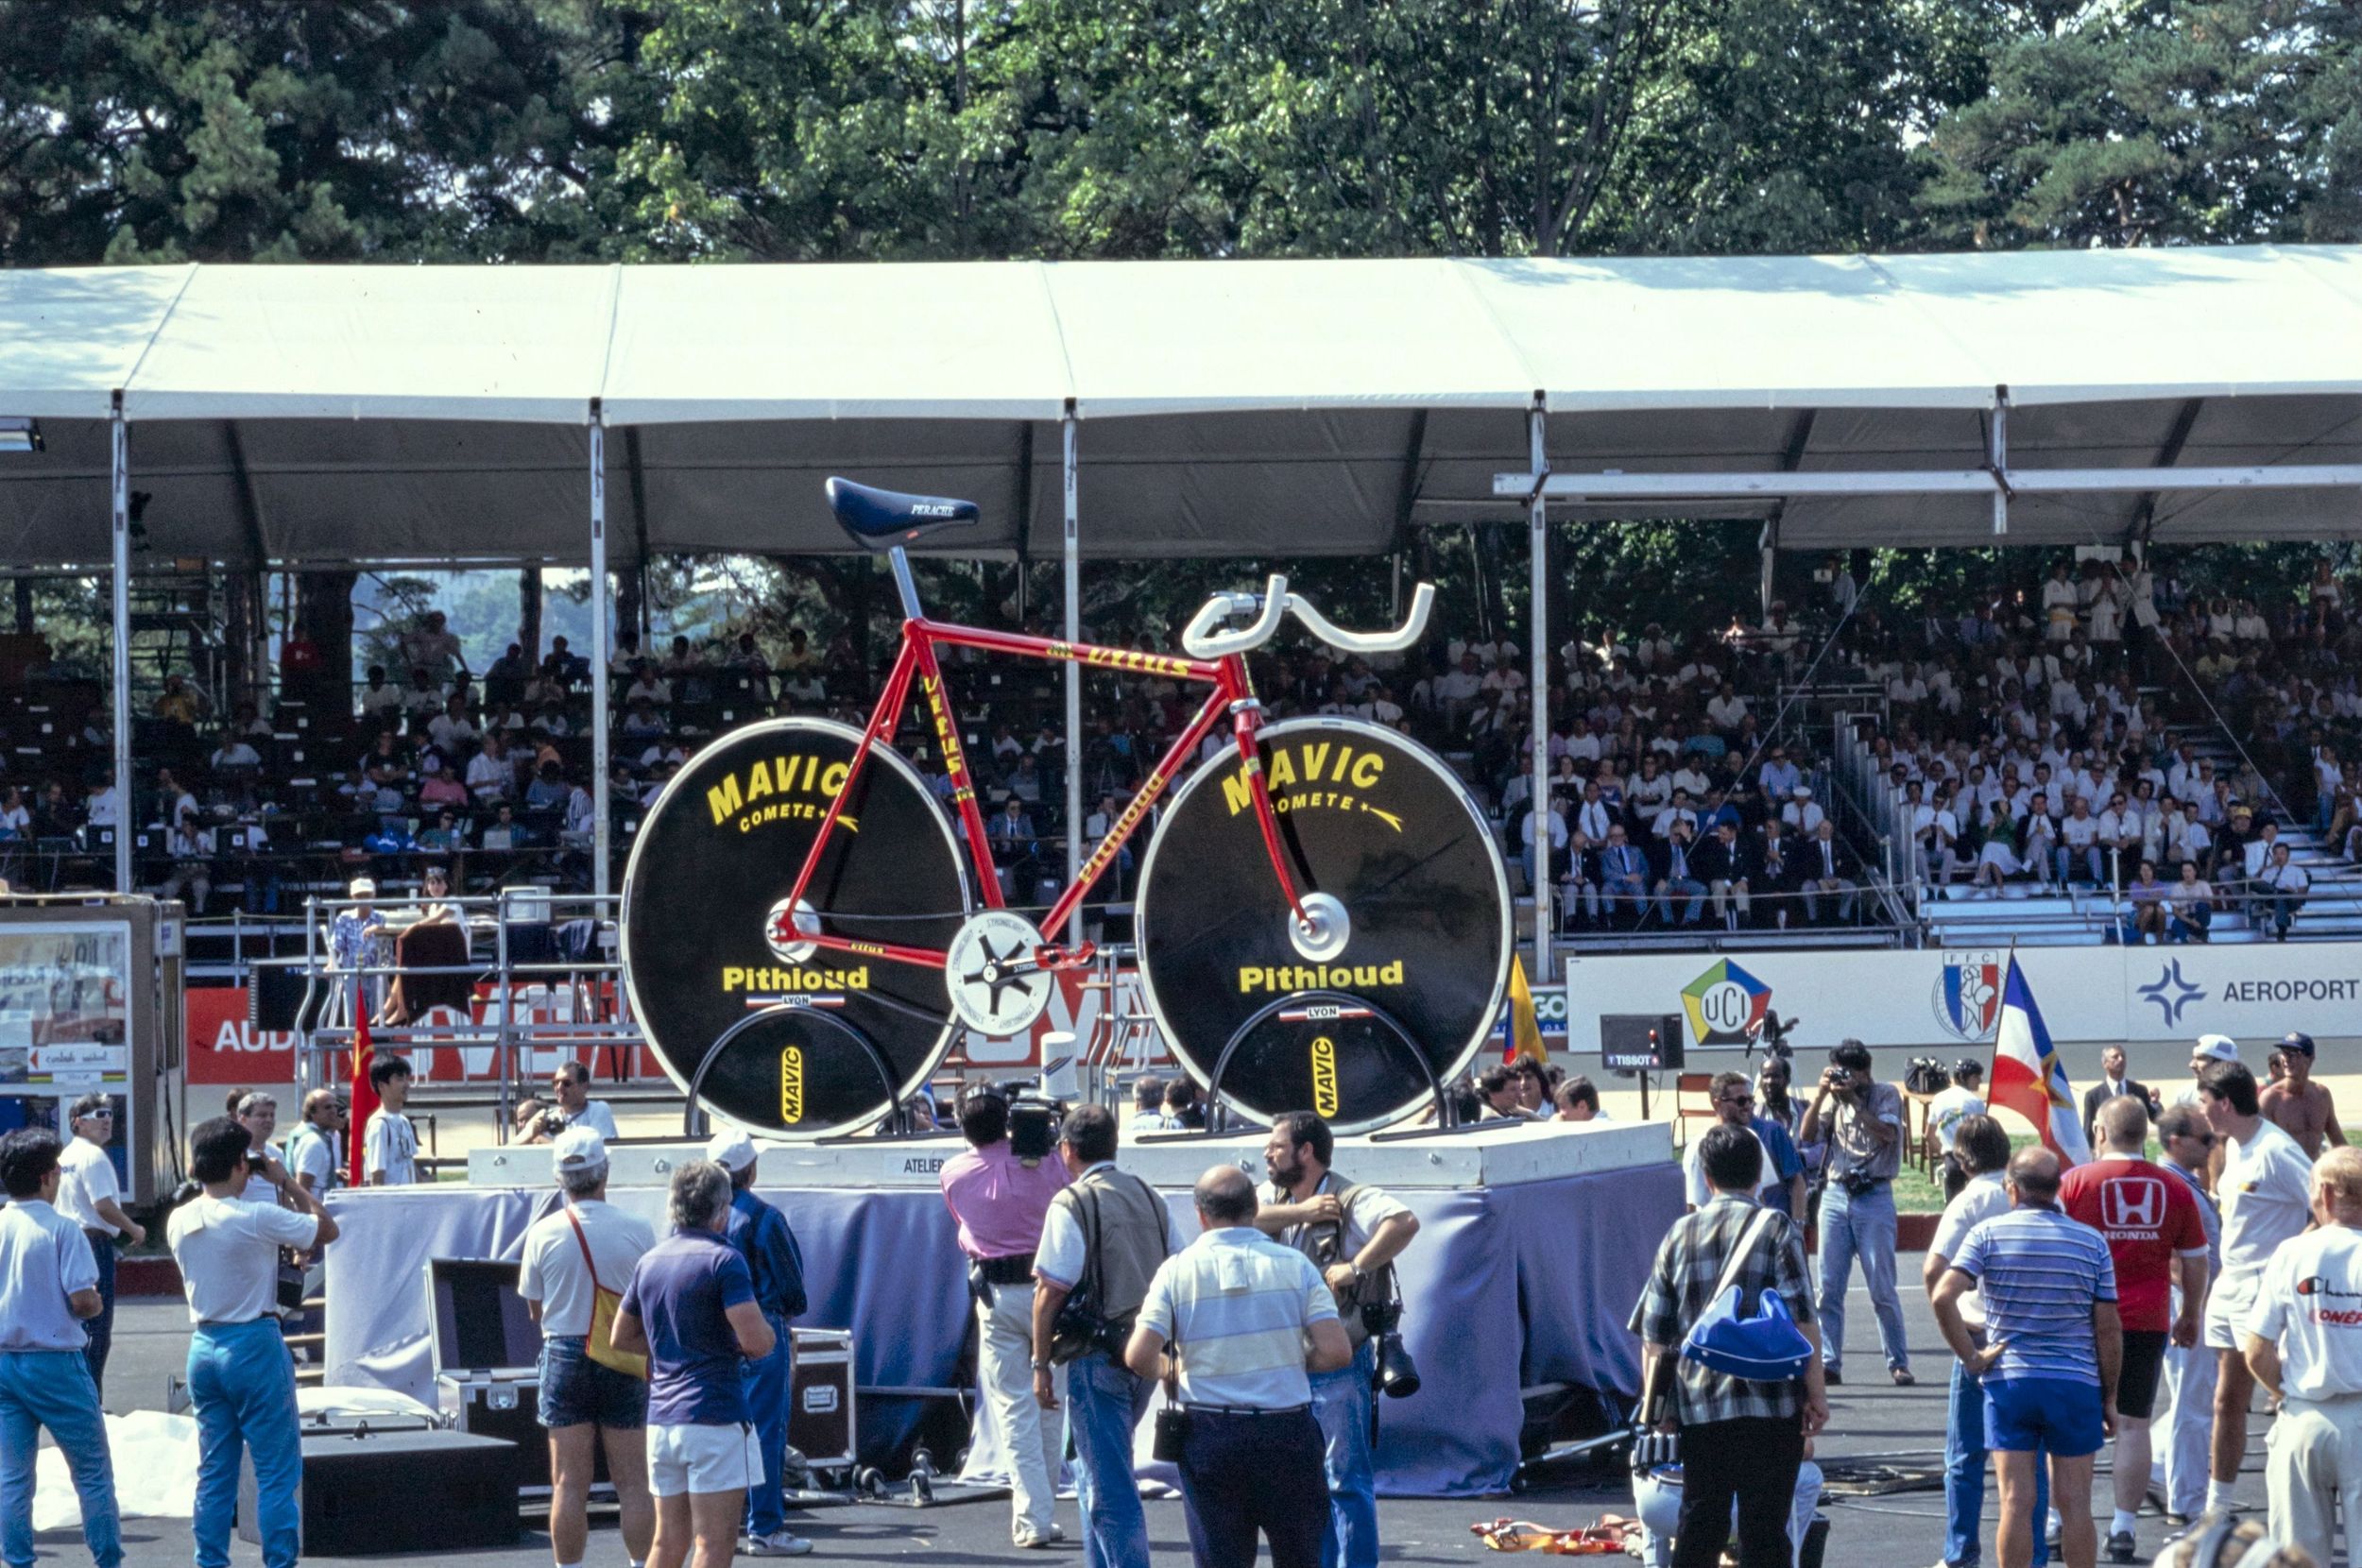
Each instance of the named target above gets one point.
<point>1525,1035</point>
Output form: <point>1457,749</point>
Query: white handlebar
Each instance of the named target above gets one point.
<point>1201,640</point>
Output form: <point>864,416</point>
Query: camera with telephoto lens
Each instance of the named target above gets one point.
<point>1397,1374</point>
<point>550,1123</point>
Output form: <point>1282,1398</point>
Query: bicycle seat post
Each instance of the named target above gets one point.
<point>903,584</point>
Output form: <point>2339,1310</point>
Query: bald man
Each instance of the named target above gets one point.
<point>2302,1344</point>
<point>2053,1354</point>
<point>2156,1234</point>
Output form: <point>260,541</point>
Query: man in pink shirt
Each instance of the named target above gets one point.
<point>999,1200</point>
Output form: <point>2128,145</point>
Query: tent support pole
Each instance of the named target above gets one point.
<point>119,466</point>
<point>1072,545</point>
<point>600,656</point>
<point>1997,459</point>
<point>1538,628</point>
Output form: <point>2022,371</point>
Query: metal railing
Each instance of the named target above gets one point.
<point>585,995</point>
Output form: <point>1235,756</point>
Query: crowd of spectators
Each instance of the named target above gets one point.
<point>2031,737</point>
<point>2028,737</point>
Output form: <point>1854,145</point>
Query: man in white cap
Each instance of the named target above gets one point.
<point>2210,1048</point>
<point>761,1235</point>
<point>357,940</point>
<point>571,1251</point>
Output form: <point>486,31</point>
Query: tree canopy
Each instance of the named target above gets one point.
<point>719,130</point>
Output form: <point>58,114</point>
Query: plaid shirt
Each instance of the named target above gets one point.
<point>1680,1289</point>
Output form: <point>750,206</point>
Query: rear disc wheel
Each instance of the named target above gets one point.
<point>703,944</point>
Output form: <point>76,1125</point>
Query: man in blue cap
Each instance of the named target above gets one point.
<point>760,1232</point>
<point>2304,1109</point>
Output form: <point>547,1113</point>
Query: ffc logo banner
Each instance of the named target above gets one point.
<point>1968,994</point>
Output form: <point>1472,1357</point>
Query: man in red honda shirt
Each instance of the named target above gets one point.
<point>2153,1226</point>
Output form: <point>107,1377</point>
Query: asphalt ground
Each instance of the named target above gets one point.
<point>1870,1419</point>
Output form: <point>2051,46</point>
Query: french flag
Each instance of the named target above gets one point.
<point>2028,1076</point>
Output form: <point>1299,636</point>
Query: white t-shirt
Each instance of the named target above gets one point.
<point>2265,1191</point>
<point>229,1255</point>
<point>2319,1332</point>
<point>88,1179</point>
<point>1984,1196</point>
<point>390,1144</point>
<point>552,1272</point>
<point>1948,1109</point>
<point>595,1116</point>
<point>1694,1174</point>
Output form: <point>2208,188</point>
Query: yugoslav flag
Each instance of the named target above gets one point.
<point>2028,1076</point>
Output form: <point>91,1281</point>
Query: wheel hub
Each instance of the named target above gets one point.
<point>995,986</point>
<point>1325,929</point>
<point>783,919</point>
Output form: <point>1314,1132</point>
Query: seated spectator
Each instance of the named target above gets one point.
<point>451,729</point>
<point>548,789</point>
<point>424,697</point>
<point>181,704</point>
<point>2281,891</point>
<point>381,699</point>
<point>642,723</point>
<point>438,789</point>
<point>491,777</point>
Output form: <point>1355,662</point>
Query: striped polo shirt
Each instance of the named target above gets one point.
<point>2039,1273</point>
<point>1238,1305</point>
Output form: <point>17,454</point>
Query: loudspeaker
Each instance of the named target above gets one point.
<point>368,1493</point>
<point>274,997</point>
<point>1648,1042</point>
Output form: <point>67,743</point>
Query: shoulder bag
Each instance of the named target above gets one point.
<point>1766,1347</point>
<point>600,1343</point>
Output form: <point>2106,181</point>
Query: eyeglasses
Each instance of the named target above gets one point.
<point>100,1115</point>
<point>1739,1100</point>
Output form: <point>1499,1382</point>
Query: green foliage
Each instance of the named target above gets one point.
<point>718,130</point>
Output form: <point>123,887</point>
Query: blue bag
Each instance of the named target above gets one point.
<point>1766,1347</point>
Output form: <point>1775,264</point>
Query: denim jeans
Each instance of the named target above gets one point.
<point>101,1329</point>
<point>242,1383</point>
<point>766,1383</point>
<point>1341,1403</point>
<point>1859,1226</point>
<point>1964,1456</point>
<point>1680,887</point>
<point>52,1389</point>
<point>1104,1404</point>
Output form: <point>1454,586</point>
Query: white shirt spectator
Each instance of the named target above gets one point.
<point>390,1144</point>
<point>1694,1173</point>
<point>235,752</point>
<point>2318,1360</point>
<point>599,1118</point>
<point>1984,1196</point>
<point>87,1181</point>
<point>1948,1110</point>
<point>553,1273</point>
<point>2266,1195</point>
<point>229,1255</point>
<point>45,1258</point>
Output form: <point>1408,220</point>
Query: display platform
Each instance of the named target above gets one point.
<point>1534,1243</point>
<point>1494,1154</point>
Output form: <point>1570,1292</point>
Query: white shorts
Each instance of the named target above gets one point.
<point>2230,1305</point>
<point>702,1458</point>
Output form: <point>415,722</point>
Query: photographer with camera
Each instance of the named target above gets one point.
<point>1103,1241</point>
<point>1353,1233</point>
<point>1000,1197</point>
<point>1862,1121</point>
<point>569,1090</point>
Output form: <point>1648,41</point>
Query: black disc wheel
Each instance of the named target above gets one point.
<point>1379,835</point>
<point>709,875</point>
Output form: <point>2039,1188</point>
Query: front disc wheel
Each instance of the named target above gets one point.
<point>1411,915</point>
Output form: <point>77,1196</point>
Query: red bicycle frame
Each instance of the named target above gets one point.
<point>920,638</point>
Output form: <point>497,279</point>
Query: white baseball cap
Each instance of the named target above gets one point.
<point>732,1149</point>
<point>361,888</point>
<point>577,1149</point>
<point>2217,1047</point>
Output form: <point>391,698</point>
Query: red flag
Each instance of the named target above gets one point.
<point>364,1092</point>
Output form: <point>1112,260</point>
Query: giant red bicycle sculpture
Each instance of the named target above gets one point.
<point>1322,916</point>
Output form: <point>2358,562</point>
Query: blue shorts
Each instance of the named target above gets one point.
<point>2054,1415</point>
<point>577,1389</point>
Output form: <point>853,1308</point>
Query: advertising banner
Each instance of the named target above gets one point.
<point>1940,999</point>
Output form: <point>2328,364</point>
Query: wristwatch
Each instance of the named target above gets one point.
<point>1045,1366</point>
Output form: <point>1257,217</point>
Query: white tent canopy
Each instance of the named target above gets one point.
<point>326,414</point>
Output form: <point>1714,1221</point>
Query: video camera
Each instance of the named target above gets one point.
<point>1034,1119</point>
<point>1771,1034</point>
